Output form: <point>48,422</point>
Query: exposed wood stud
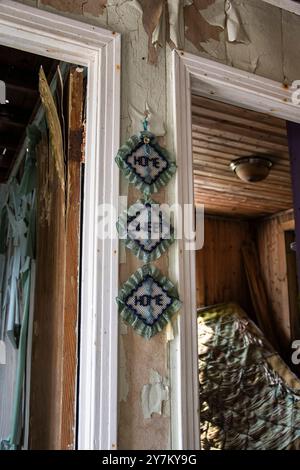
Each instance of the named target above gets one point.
<point>75,102</point>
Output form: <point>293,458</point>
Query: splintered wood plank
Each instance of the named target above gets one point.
<point>71,307</point>
<point>54,349</point>
<point>47,341</point>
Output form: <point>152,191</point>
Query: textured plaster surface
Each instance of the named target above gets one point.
<point>272,51</point>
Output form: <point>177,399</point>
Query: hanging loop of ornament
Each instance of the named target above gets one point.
<point>145,121</point>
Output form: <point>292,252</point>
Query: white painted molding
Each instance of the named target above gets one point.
<point>289,5</point>
<point>64,39</point>
<point>183,349</point>
<point>193,74</point>
<point>217,81</point>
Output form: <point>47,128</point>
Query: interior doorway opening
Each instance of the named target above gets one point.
<point>77,42</point>
<point>246,275</point>
<point>42,122</point>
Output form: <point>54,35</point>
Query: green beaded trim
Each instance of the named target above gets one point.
<point>131,318</point>
<point>134,245</point>
<point>134,178</point>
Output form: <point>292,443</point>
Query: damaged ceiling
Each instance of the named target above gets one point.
<point>222,133</point>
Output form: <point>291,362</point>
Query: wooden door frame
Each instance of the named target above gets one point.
<point>191,73</point>
<point>40,32</point>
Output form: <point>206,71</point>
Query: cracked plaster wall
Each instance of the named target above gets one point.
<point>271,50</point>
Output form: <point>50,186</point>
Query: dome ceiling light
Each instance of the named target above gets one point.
<point>251,169</point>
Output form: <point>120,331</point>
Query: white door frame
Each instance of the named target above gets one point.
<point>195,74</point>
<point>64,39</point>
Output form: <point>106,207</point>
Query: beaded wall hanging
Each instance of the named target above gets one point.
<point>146,230</point>
<point>147,301</point>
<point>145,163</point>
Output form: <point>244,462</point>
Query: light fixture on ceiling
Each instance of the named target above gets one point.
<point>251,169</point>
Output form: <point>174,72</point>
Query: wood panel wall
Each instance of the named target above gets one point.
<point>220,272</point>
<point>272,252</point>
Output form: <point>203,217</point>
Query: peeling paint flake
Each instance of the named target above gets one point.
<point>176,25</point>
<point>152,21</point>
<point>169,332</point>
<point>197,29</point>
<point>213,12</point>
<point>234,25</point>
<point>202,4</point>
<point>90,7</point>
<point>154,395</point>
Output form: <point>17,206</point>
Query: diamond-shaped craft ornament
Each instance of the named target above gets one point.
<point>146,229</point>
<point>147,301</point>
<point>145,163</point>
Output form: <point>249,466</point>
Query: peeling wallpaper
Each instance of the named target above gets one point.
<point>152,13</point>
<point>197,29</point>
<point>154,395</point>
<point>265,43</point>
<point>91,7</point>
<point>256,37</point>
